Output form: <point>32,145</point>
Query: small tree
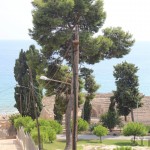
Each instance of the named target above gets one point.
<point>110,119</point>
<point>100,131</point>
<point>135,129</point>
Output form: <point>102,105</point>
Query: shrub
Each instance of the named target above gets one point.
<point>82,125</point>
<point>123,148</point>
<point>47,134</point>
<point>56,126</point>
<point>45,123</point>
<point>100,131</point>
<point>31,125</point>
<point>22,121</point>
<point>135,129</point>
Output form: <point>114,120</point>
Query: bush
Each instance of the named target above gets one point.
<point>100,131</point>
<point>48,128</point>
<point>31,125</point>
<point>82,125</point>
<point>123,148</point>
<point>47,134</point>
<point>47,123</point>
<point>135,129</point>
<point>56,126</point>
<point>22,122</point>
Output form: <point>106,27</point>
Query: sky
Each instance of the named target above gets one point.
<point>132,15</point>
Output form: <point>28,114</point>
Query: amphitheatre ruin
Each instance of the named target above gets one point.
<point>100,105</point>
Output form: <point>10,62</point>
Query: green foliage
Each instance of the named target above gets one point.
<point>48,128</point>
<point>31,125</point>
<point>93,125</point>
<point>47,134</point>
<point>100,131</point>
<point>148,128</point>
<point>13,117</point>
<point>56,126</point>
<point>45,123</point>
<point>60,107</point>
<point>22,121</point>
<point>29,60</point>
<point>110,119</point>
<point>90,17</point>
<point>93,18</point>
<point>22,78</point>
<point>135,129</point>
<point>87,110</point>
<point>53,29</point>
<point>123,148</point>
<point>91,87</point>
<point>120,41</point>
<point>127,96</point>
<point>82,125</point>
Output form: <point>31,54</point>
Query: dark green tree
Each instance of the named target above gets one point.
<point>54,23</point>
<point>90,87</point>
<point>22,78</point>
<point>127,96</point>
<point>23,93</point>
<point>110,119</point>
<point>60,107</point>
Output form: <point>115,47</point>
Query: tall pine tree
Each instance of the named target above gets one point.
<point>54,23</point>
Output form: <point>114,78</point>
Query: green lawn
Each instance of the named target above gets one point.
<point>61,144</point>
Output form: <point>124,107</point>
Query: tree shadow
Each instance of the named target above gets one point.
<point>123,143</point>
<point>90,141</point>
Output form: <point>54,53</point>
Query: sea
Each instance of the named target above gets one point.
<point>103,71</point>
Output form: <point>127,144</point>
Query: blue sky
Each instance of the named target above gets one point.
<point>131,15</point>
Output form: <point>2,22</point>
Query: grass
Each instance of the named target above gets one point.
<point>60,145</point>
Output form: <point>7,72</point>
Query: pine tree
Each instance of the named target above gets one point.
<point>54,23</point>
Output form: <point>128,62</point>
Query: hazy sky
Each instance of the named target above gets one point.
<point>131,15</point>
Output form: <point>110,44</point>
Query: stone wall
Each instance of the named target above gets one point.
<point>48,107</point>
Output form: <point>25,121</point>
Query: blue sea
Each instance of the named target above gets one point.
<point>103,71</point>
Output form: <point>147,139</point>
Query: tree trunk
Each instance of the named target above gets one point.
<point>100,139</point>
<point>134,139</point>
<point>68,121</point>
<point>132,115</point>
<point>125,118</point>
